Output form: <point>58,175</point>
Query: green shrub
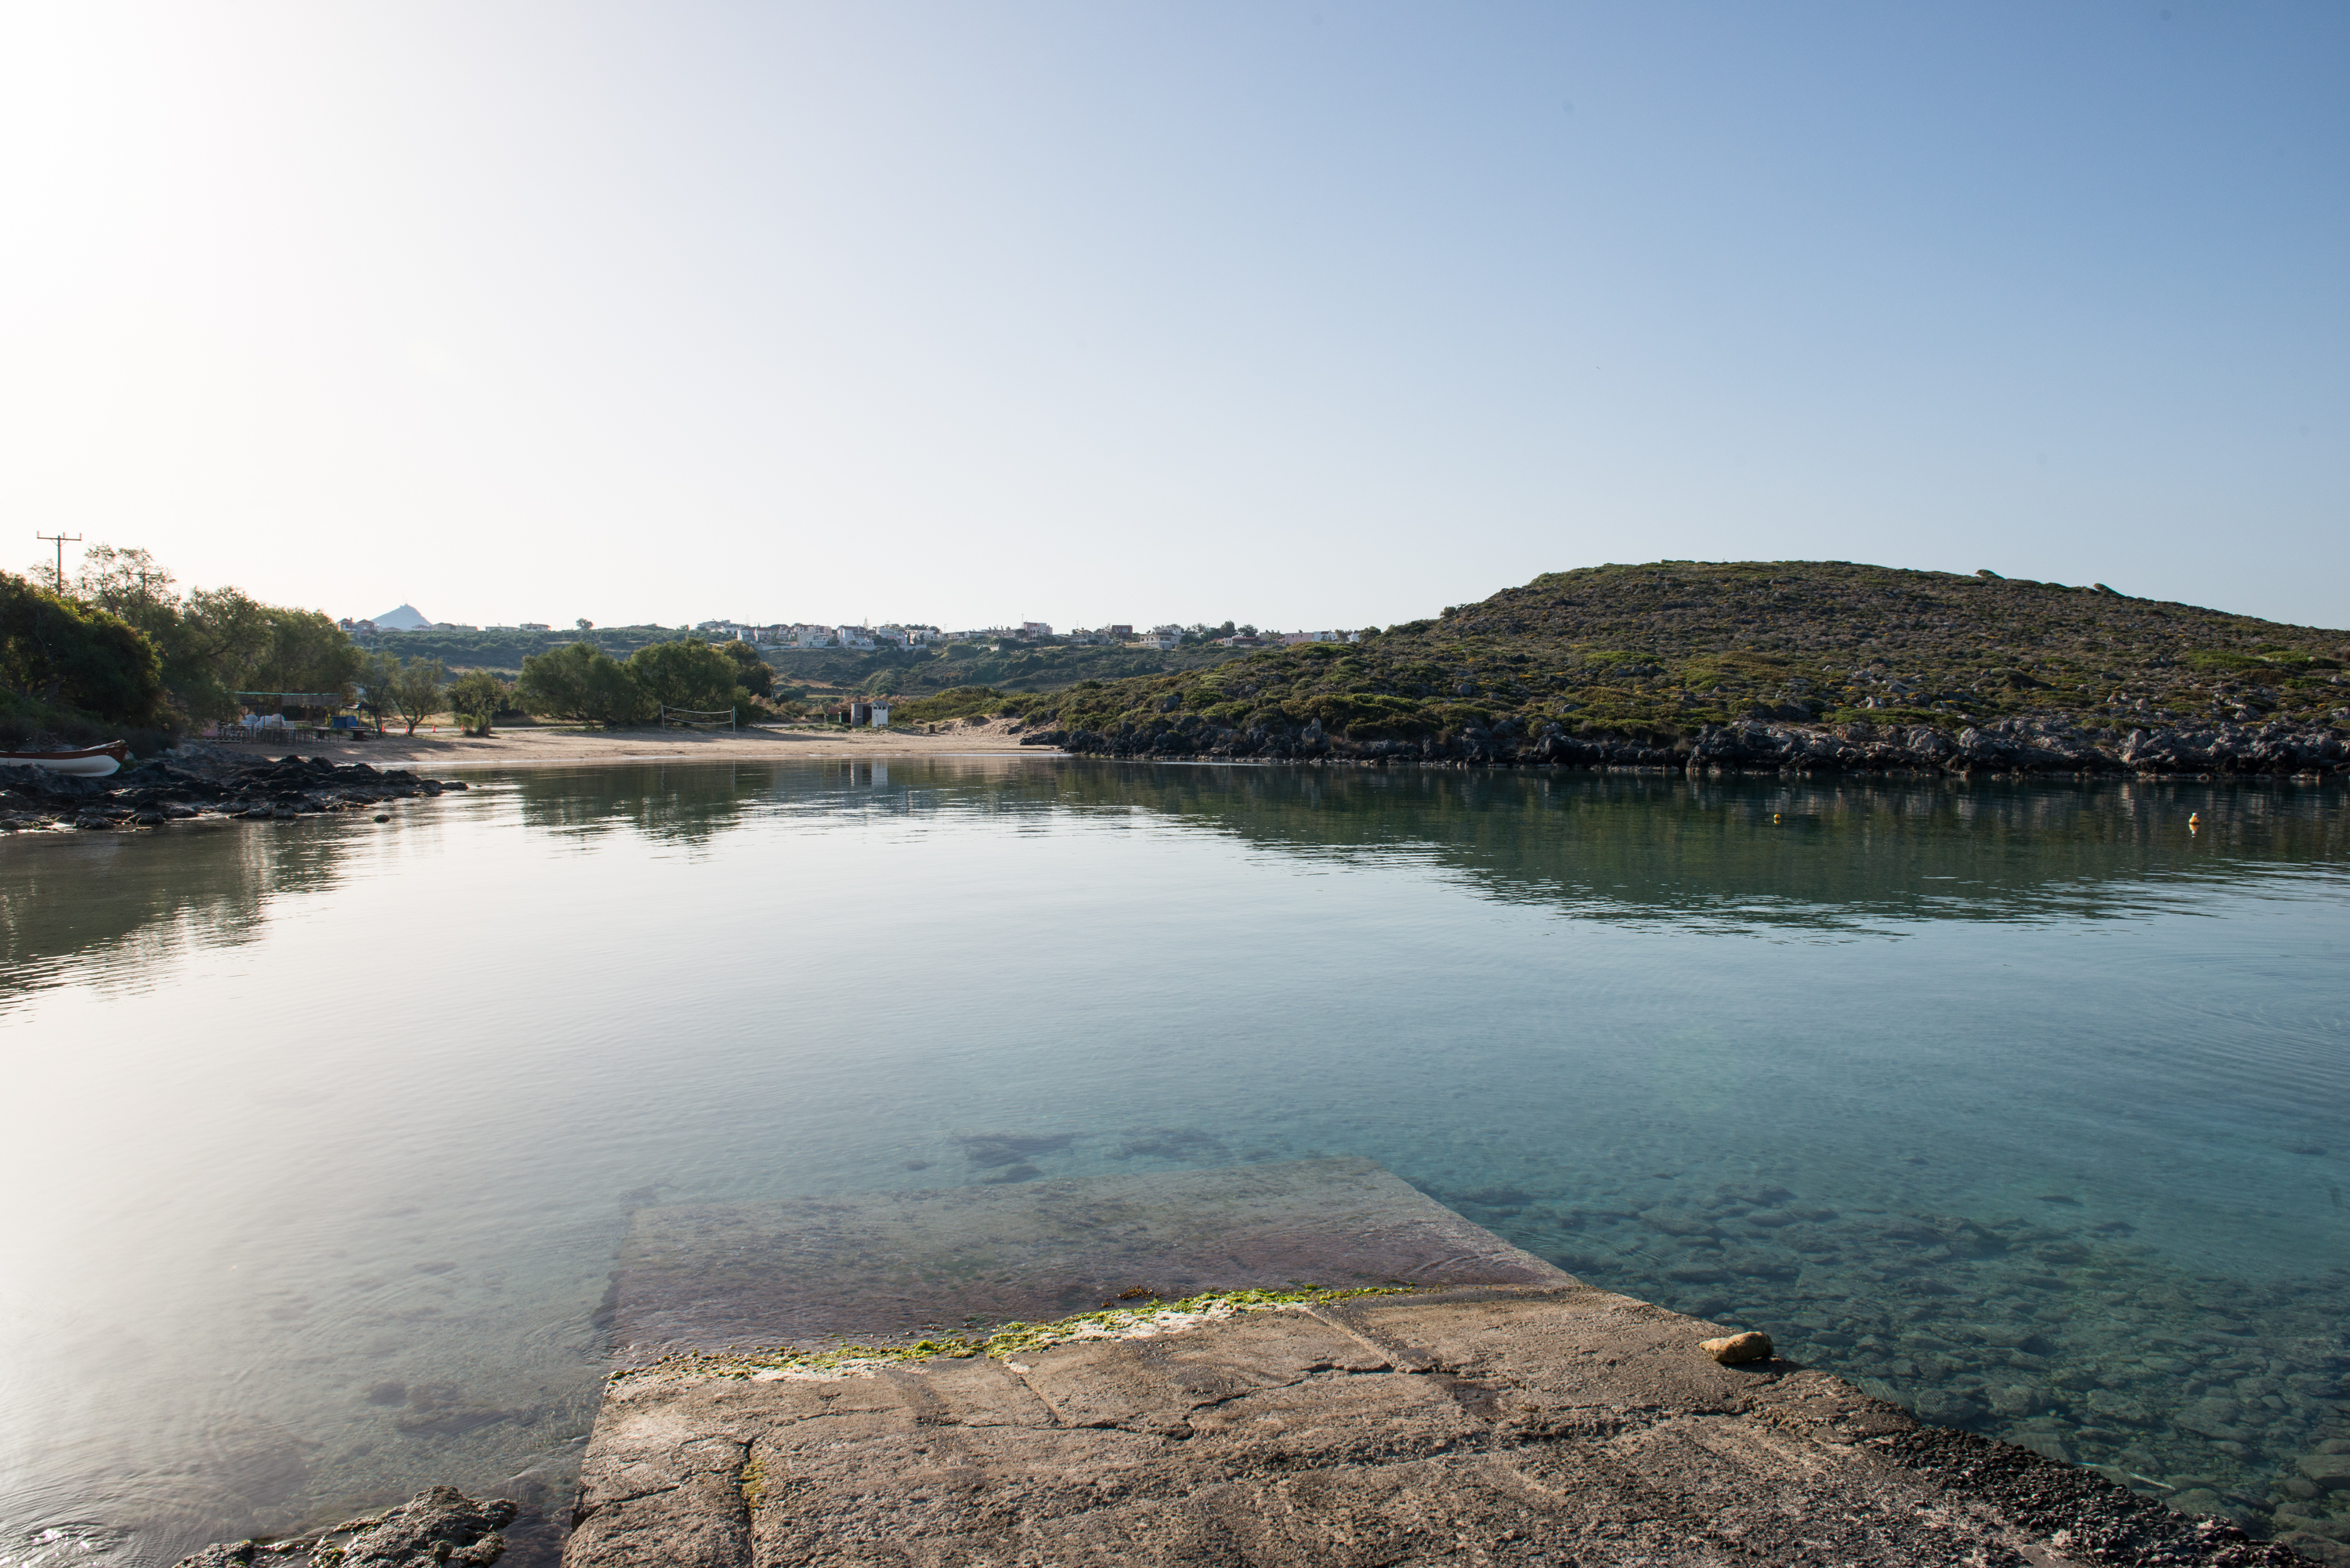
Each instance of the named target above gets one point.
<point>2224,659</point>
<point>23,722</point>
<point>1392,726</point>
<point>954,702</point>
<point>584,682</point>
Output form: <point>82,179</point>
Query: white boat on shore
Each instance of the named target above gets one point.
<point>84,762</point>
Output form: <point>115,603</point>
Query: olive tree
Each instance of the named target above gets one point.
<point>412,687</point>
<point>478,696</point>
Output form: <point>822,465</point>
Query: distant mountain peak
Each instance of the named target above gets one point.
<point>406,618</point>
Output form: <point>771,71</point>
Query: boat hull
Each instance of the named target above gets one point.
<point>88,763</point>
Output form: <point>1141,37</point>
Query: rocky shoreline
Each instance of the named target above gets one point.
<point>2035,747</point>
<point>438,1528</point>
<point>195,782</point>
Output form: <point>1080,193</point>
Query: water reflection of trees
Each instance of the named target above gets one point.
<point>64,898</point>
<point>1841,853</point>
<point>693,804</point>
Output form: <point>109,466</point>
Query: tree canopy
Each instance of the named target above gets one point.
<point>579,681</point>
<point>753,673</point>
<point>692,675</point>
<point>53,650</point>
<point>411,688</point>
<point>584,682</point>
<point>477,698</point>
<point>212,643</point>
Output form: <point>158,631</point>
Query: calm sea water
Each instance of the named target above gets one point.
<point>2022,1105</point>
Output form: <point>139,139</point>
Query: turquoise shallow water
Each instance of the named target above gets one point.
<point>2021,1104</point>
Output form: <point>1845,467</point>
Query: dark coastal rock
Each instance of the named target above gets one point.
<point>221,1554</point>
<point>434,1529</point>
<point>440,1526</point>
<point>2050,746</point>
<point>199,780</point>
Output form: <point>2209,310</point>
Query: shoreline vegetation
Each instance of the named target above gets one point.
<point>312,778</point>
<point>1743,667</point>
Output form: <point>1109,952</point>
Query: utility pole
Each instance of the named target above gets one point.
<point>61,541</point>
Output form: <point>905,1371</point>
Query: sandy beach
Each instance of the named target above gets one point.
<point>529,744</point>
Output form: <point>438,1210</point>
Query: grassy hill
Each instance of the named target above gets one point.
<point>1663,650</point>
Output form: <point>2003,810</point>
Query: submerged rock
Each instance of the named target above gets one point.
<point>2329,1472</point>
<point>442,1526</point>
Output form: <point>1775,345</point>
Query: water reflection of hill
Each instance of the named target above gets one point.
<point>64,897</point>
<point>1742,852</point>
<point>1739,852</point>
<point>1757,851</point>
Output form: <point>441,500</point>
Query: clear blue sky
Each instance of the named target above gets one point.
<point>1301,313</point>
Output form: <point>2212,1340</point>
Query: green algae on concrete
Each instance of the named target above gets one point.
<point>1141,1321</point>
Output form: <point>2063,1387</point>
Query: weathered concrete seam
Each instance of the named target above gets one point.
<point>1397,1355</point>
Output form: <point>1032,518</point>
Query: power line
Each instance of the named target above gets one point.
<point>61,541</point>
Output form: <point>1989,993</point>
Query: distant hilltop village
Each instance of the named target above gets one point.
<point>893,634</point>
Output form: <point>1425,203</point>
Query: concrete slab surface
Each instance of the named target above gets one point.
<point>1506,1425</point>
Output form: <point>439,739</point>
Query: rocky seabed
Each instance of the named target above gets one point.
<point>187,786</point>
<point>2219,1397</point>
<point>2055,747</point>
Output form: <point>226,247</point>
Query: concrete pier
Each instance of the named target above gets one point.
<point>1525,1418</point>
